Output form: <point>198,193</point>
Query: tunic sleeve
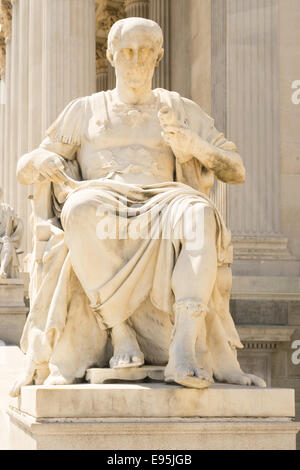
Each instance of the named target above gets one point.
<point>217,139</point>
<point>65,134</point>
<point>204,125</point>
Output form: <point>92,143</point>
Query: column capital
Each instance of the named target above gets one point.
<point>107,13</point>
<point>5,18</point>
<point>5,30</point>
<point>131,2</point>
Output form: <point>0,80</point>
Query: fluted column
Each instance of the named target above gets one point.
<point>22,110</point>
<point>6,143</point>
<point>35,73</point>
<point>12,155</point>
<point>2,129</point>
<point>50,61</point>
<point>69,69</point>
<point>159,11</point>
<point>137,8</point>
<point>5,41</point>
<point>253,124</point>
<point>218,87</point>
<point>2,106</point>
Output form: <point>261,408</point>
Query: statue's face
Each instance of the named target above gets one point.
<point>136,58</point>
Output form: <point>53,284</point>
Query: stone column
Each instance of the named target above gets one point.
<point>253,124</point>
<point>13,103</point>
<point>2,102</point>
<point>218,87</point>
<point>5,41</point>
<point>21,111</point>
<point>35,73</point>
<point>69,53</point>
<point>159,11</point>
<point>6,143</point>
<point>137,8</point>
<point>2,128</point>
<point>50,61</point>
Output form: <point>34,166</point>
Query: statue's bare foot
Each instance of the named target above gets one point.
<point>58,380</point>
<point>25,379</point>
<point>183,370</point>
<point>240,378</point>
<point>127,352</point>
<point>183,367</point>
<point>3,275</point>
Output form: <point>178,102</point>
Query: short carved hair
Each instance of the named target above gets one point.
<point>117,29</point>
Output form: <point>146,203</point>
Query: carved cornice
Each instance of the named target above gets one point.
<point>107,13</point>
<point>5,30</point>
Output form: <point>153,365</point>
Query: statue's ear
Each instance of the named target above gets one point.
<point>110,57</point>
<point>159,57</point>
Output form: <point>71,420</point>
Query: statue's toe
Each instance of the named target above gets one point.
<point>191,377</point>
<point>58,380</point>
<point>126,360</point>
<point>240,378</point>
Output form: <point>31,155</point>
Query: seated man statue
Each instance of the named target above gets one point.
<point>11,231</point>
<point>130,259</point>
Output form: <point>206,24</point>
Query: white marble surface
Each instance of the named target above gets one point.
<point>142,400</point>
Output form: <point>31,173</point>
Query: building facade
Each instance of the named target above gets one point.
<point>238,59</point>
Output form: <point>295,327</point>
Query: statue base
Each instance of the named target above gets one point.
<point>152,416</point>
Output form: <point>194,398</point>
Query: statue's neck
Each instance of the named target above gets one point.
<point>133,96</point>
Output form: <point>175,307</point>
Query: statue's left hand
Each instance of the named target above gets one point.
<point>181,139</point>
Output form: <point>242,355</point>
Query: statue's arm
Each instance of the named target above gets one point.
<point>202,141</point>
<point>62,143</point>
<point>39,165</point>
<point>226,165</point>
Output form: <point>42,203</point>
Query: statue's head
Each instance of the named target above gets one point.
<point>135,49</point>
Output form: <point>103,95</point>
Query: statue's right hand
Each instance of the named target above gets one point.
<point>51,168</point>
<point>40,165</point>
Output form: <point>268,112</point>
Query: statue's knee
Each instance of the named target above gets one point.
<point>75,213</point>
<point>200,226</point>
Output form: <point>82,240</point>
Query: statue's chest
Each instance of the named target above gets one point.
<point>125,126</point>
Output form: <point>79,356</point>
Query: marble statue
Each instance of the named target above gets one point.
<point>11,231</point>
<point>131,258</point>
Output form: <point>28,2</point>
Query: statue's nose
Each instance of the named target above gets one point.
<point>135,58</point>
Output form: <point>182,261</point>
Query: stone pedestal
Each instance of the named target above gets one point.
<point>152,416</point>
<point>12,310</point>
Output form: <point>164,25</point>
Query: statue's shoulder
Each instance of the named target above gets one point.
<point>185,108</point>
<point>195,112</point>
<point>99,97</point>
